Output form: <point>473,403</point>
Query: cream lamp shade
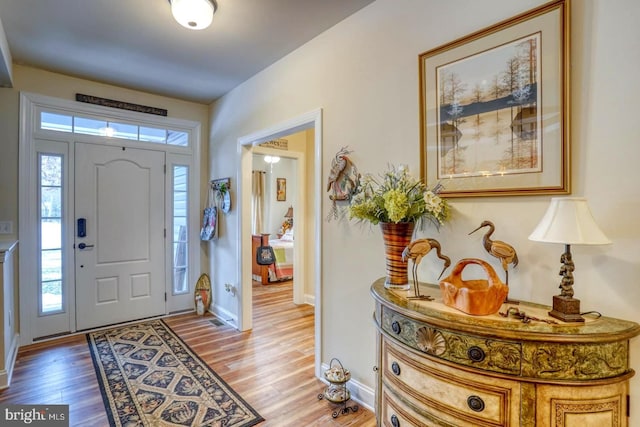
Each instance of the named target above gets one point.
<point>193,14</point>
<point>568,220</point>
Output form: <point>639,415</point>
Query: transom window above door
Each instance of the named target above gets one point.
<point>65,122</point>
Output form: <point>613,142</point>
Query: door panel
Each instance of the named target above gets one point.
<point>120,273</point>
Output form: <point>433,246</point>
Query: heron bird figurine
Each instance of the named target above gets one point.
<point>415,251</point>
<point>499,249</point>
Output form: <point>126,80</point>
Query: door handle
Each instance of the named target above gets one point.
<point>84,246</point>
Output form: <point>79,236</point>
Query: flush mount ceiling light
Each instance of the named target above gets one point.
<point>271,159</point>
<point>193,14</point>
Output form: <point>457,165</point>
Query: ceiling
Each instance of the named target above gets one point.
<point>137,44</point>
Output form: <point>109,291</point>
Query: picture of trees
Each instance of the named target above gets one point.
<point>488,112</point>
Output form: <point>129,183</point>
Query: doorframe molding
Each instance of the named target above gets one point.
<point>30,105</point>
<point>309,120</point>
<point>300,210</point>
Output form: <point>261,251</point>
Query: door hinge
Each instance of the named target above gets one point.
<point>165,232</point>
<point>165,297</point>
<point>165,169</point>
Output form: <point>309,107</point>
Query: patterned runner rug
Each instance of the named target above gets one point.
<point>149,377</point>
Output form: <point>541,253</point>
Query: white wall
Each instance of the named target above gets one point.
<point>274,209</point>
<point>363,73</point>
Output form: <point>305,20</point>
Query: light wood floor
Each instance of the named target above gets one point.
<point>271,367</point>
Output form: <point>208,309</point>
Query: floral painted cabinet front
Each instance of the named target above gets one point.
<point>440,367</point>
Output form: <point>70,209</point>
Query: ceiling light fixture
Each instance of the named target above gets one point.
<point>193,14</point>
<point>271,159</point>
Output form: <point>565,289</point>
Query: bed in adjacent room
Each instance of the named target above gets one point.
<point>282,268</point>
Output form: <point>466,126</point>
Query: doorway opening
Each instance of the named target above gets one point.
<point>279,190</point>
<point>307,261</point>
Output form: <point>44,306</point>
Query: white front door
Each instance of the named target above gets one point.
<point>119,262</point>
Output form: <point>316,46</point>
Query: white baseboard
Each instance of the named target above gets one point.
<point>310,299</point>
<point>224,315</point>
<point>5,374</point>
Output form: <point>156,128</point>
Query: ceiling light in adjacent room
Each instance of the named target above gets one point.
<point>271,159</point>
<point>193,14</point>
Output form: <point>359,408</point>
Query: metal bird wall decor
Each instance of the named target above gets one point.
<point>415,251</point>
<point>499,249</point>
<point>343,181</point>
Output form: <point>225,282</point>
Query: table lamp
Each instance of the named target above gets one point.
<point>288,220</point>
<point>568,220</point>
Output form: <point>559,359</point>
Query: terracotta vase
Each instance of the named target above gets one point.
<point>396,237</point>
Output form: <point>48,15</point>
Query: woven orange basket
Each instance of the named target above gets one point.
<point>478,297</point>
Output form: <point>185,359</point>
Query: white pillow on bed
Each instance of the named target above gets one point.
<point>287,236</point>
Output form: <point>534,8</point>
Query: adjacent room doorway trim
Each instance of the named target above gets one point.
<point>300,208</point>
<point>310,120</point>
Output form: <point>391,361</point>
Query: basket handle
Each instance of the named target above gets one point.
<point>493,278</point>
<point>339,363</point>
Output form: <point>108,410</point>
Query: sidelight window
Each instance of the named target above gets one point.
<point>180,224</point>
<point>50,195</point>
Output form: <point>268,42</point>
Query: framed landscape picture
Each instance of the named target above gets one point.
<point>494,108</point>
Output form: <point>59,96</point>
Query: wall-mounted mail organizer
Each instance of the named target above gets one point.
<point>222,189</point>
<point>221,184</point>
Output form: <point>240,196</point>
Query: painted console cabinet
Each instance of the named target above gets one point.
<point>440,367</point>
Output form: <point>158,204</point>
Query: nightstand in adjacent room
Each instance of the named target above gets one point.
<point>440,367</point>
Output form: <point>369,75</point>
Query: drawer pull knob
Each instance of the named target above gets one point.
<point>476,354</point>
<point>395,368</point>
<point>395,326</point>
<point>395,422</point>
<point>475,403</point>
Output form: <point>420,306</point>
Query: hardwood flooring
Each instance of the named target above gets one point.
<point>271,367</point>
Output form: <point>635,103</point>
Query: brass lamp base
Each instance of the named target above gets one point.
<point>566,309</point>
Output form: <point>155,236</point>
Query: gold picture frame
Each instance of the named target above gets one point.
<point>281,189</point>
<point>494,108</point>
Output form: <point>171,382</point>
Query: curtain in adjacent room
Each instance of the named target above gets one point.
<point>257,202</point>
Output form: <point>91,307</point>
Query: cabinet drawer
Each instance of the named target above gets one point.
<point>396,413</point>
<point>451,395</point>
<point>481,353</point>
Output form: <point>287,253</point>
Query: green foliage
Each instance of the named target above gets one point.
<point>397,197</point>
